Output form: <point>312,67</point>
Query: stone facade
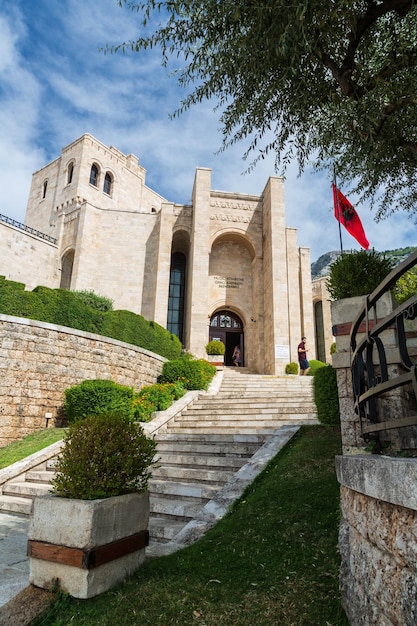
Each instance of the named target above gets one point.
<point>114,235</point>
<point>39,361</point>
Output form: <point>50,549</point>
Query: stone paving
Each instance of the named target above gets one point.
<point>14,562</point>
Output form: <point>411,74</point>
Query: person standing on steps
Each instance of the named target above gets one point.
<point>236,356</point>
<point>302,357</point>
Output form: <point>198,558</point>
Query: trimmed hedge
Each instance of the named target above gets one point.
<point>291,368</point>
<point>192,373</point>
<point>66,308</point>
<point>326,396</point>
<point>315,366</point>
<point>96,397</point>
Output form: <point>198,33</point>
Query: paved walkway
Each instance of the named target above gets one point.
<point>14,563</point>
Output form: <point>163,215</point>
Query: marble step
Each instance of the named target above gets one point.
<point>178,473</point>
<point>14,504</point>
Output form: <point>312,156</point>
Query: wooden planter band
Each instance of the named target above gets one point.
<point>88,559</point>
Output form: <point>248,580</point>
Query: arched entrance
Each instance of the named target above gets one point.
<point>227,327</point>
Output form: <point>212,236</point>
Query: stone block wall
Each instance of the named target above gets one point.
<point>38,361</point>
<point>378,529</point>
<point>378,540</point>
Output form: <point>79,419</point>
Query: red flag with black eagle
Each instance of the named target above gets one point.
<point>347,216</point>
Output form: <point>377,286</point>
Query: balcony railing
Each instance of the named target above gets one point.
<point>373,372</point>
<point>28,229</point>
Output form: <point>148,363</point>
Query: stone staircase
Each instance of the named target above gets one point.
<point>209,449</point>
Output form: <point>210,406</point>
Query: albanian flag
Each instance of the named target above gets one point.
<point>346,215</point>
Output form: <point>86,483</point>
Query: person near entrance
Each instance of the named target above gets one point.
<point>302,357</point>
<point>237,356</point>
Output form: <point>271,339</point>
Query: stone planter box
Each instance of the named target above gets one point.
<point>216,359</point>
<point>86,546</point>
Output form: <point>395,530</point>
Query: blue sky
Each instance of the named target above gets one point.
<point>55,85</point>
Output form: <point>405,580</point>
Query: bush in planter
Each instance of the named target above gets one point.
<point>93,397</point>
<point>291,368</point>
<point>215,347</point>
<point>103,456</point>
<point>326,396</point>
<point>357,273</point>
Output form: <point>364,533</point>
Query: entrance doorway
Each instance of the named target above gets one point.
<point>227,327</point>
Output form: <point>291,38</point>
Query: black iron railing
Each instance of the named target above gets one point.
<point>373,373</point>
<point>28,229</point>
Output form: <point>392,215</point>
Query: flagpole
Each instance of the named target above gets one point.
<point>338,208</point>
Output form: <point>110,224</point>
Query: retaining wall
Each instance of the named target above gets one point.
<point>378,529</point>
<point>38,361</point>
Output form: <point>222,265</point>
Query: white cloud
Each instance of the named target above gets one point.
<point>55,85</point>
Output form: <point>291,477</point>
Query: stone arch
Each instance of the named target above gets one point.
<point>67,263</point>
<point>241,238</point>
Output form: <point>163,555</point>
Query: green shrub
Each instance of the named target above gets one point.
<point>314,366</point>
<point>193,374</point>
<point>85,311</point>
<point>326,395</point>
<point>291,368</point>
<point>135,329</point>
<point>95,397</point>
<point>215,347</point>
<point>357,273</point>
<point>333,348</point>
<point>157,397</point>
<point>94,301</point>
<point>103,456</point>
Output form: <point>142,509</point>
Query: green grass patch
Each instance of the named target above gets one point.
<point>272,560</point>
<point>19,450</point>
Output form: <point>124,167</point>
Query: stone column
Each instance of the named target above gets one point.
<point>276,321</point>
<point>197,300</point>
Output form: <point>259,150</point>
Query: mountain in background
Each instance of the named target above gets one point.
<point>321,267</point>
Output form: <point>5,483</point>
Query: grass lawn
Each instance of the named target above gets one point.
<point>272,560</point>
<point>31,443</point>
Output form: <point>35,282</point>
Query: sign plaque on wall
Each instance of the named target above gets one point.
<point>282,353</point>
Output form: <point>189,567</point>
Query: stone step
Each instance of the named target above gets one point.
<point>192,491</point>
<point>162,530</point>
<point>26,489</point>
<point>210,437</point>
<point>178,508</point>
<point>14,504</point>
<point>201,461</point>
<point>245,413</point>
<point>206,448</point>
<point>178,473</point>
<point>231,422</point>
<point>191,430</point>
<point>39,476</point>
<point>249,409</point>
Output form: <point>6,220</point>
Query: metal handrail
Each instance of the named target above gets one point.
<point>371,374</point>
<point>28,229</point>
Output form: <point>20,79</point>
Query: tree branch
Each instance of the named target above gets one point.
<point>343,75</point>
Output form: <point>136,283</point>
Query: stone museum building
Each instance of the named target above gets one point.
<point>225,267</point>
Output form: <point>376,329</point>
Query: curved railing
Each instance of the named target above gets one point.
<point>28,229</point>
<point>373,373</point>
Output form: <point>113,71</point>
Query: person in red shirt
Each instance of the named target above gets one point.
<point>302,357</point>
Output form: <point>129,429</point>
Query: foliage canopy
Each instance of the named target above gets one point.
<point>318,79</point>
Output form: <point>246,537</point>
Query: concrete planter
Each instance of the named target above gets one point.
<point>216,359</point>
<point>87,546</point>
